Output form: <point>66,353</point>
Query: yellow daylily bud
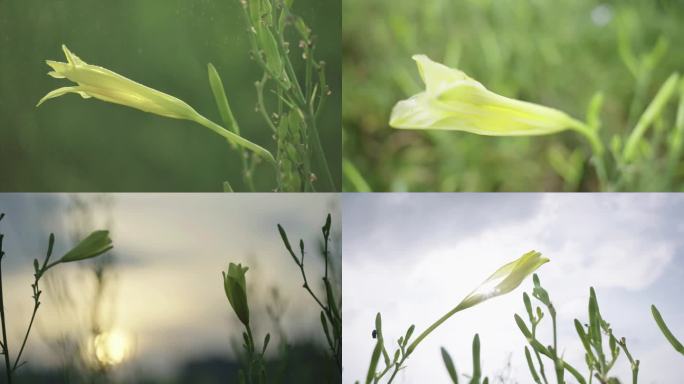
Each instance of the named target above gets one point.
<point>504,280</point>
<point>454,101</point>
<point>105,85</point>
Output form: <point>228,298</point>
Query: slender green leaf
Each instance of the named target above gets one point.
<point>676,344</point>
<point>530,364</point>
<point>648,117</point>
<point>477,370</point>
<point>449,364</point>
<point>222,100</point>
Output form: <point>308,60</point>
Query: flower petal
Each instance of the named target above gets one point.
<point>435,75</point>
<point>71,58</point>
<point>505,279</point>
<point>454,101</point>
<point>61,91</point>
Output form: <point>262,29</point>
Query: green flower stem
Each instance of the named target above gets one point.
<point>250,349</point>
<point>397,367</point>
<point>235,138</point>
<point>597,148</point>
<point>318,150</point>
<point>28,330</point>
<point>431,328</point>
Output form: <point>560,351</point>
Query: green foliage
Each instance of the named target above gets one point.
<point>475,378</point>
<point>609,59</point>
<point>93,245</point>
<point>300,99</point>
<point>600,354</point>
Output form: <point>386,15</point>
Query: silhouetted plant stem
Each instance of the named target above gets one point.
<point>95,244</point>
<point>330,312</point>
<point>5,347</point>
<point>38,273</point>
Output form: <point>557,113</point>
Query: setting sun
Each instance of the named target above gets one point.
<point>111,348</point>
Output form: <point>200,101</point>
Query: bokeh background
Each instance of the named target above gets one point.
<point>414,257</point>
<point>159,293</point>
<point>70,144</point>
<point>557,53</point>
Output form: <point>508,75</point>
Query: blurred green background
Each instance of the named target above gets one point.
<point>71,144</point>
<point>557,53</point>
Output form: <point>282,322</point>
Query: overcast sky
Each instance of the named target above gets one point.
<point>170,250</point>
<point>414,257</point>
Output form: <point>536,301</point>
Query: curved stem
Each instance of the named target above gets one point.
<point>397,367</point>
<point>5,348</point>
<point>431,328</point>
<point>320,153</point>
<point>597,149</point>
<point>591,135</point>
<point>28,330</point>
<point>236,139</point>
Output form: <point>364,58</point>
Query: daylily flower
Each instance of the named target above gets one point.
<point>504,280</point>
<point>454,101</point>
<point>95,244</point>
<point>103,84</point>
<point>236,291</point>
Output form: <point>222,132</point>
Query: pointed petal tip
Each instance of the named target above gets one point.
<point>41,101</point>
<point>56,93</point>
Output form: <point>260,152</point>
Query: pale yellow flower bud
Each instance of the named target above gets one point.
<point>454,101</point>
<point>105,85</point>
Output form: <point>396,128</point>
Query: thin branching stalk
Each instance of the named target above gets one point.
<point>93,245</point>
<point>331,318</point>
<point>5,346</point>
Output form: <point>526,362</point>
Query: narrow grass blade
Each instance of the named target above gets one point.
<point>352,174</point>
<point>222,100</point>
<point>530,364</point>
<point>650,114</point>
<point>477,370</point>
<point>449,364</point>
<point>676,344</point>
